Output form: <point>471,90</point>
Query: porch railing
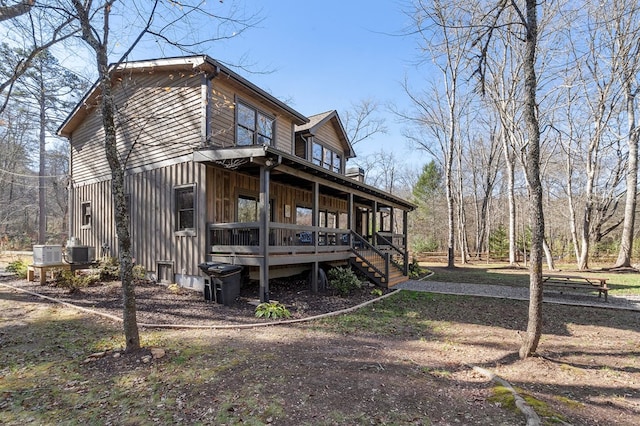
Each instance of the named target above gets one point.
<point>244,238</point>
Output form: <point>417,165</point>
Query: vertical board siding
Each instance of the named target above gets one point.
<point>152,214</point>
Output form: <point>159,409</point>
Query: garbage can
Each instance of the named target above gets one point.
<point>224,286</point>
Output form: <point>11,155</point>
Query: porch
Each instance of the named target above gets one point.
<point>303,215</point>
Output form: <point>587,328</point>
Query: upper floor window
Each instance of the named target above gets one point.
<point>185,208</point>
<point>325,157</point>
<point>253,127</point>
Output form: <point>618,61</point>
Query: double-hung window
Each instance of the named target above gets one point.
<point>253,126</point>
<point>185,203</point>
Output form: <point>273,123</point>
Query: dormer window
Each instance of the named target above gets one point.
<point>253,126</point>
<point>325,157</point>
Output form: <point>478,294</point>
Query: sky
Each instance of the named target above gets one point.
<point>319,56</point>
<point>330,54</point>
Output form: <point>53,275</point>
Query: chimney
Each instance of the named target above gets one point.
<point>356,173</point>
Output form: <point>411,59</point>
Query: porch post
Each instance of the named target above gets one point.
<point>374,224</point>
<point>264,233</point>
<point>405,233</point>
<point>350,215</point>
<point>314,223</point>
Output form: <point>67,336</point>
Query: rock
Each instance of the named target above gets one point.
<point>98,354</point>
<point>117,355</point>
<point>146,359</point>
<point>157,353</point>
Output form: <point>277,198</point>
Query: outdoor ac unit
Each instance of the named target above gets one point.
<point>80,254</point>
<point>47,255</point>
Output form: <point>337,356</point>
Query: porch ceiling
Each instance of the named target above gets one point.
<point>291,170</point>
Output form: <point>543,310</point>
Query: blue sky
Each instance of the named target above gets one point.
<point>321,55</point>
<point>330,54</point>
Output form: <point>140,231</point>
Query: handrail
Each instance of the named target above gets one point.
<point>355,237</point>
<point>403,268</point>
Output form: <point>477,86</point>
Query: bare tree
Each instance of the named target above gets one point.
<point>166,21</point>
<point>525,25</point>
<point>624,29</point>
<point>362,122</point>
<point>14,10</point>
<point>442,35</point>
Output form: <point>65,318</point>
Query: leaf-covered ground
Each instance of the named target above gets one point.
<point>404,360</point>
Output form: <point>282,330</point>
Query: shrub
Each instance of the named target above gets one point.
<point>272,310</point>
<point>415,270</point>
<point>343,280</point>
<point>109,269</point>
<point>139,272</point>
<point>424,245</point>
<point>73,282</point>
<point>18,267</point>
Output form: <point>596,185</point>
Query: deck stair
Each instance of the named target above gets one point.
<point>380,266</point>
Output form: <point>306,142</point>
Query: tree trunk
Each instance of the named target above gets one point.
<point>121,210</point>
<point>626,240</point>
<point>42,211</point>
<point>510,163</point>
<point>534,325</point>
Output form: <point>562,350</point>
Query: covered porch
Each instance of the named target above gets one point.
<point>268,210</point>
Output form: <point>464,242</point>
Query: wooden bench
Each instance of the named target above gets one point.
<point>43,269</point>
<point>577,283</point>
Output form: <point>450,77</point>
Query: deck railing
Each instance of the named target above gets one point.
<point>244,238</point>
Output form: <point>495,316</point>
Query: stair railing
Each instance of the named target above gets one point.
<point>397,251</point>
<point>370,255</point>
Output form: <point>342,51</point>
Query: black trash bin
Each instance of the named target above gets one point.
<point>224,286</point>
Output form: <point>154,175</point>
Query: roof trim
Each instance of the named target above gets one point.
<point>250,153</point>
<point>203,62</point>
<point>318,120</point>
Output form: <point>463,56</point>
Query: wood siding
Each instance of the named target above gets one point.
<point>152,210</point>
<point>224,94</point>
<point>327,135</point>
<point>225,186</point>
<point>159,118</point>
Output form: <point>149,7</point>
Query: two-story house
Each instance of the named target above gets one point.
<point>217,169</point>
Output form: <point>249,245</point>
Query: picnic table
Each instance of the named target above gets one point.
<point>577,283</point>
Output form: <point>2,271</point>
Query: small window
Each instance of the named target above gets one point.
<point>86,213</point>
<point>337,163</point>
<point>253,127</point>
<point>317,154</point>
<point>185,208</point>
<point>247,209</point>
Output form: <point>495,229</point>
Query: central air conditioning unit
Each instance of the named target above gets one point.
<point>47,255</point>
<point>81,254</point>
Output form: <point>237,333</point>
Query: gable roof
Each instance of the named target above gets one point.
<point>319,120</point>
<point>187,63</point>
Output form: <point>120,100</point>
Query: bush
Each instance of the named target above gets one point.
<point>73,282</point>
<point>343,280</point>
<point>18,267</point>
<point>272,310</point>
<point>110,270</point>
<point>415,270</point>
<point>424,245</point>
